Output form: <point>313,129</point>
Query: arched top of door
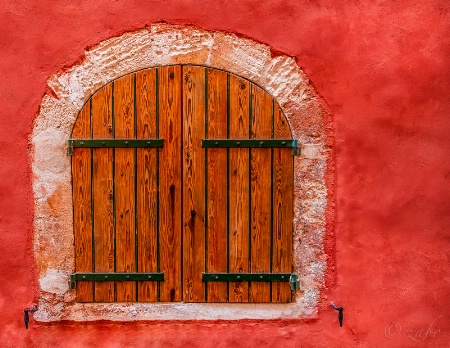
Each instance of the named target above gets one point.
<point>140,94</point>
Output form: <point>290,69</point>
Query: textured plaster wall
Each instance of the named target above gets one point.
<point>162,44</point>
<point>383,69</point>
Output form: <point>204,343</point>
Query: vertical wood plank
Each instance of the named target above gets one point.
<point>194,184</point>
<point>217,184</point>
<point>170,182</point>
<point>283,187</point>
<point>239,189</point>
<point>82,200</point>
<point>146,183</point>
<point>124,161</point>
<point>261,181</point>
<point>102,181</point>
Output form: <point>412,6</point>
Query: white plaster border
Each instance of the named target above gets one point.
<point>158,45</point>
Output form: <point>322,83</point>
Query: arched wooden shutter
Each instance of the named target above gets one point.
<point>182,190</point>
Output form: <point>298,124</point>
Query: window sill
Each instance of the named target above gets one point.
<point>173,311</point>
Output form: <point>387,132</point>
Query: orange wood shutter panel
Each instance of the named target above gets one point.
<point>182,209</point>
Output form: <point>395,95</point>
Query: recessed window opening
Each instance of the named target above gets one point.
<point>193,124</point>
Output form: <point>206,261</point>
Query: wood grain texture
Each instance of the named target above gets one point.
<point>82,201</point>
<point>82,126</point>
<point>102,182</point>
<point>283,188</point>
<point>146,183</point>
<point>170,185</point>
<point>124,162</point>
<point>217,255</point>
<point>239,188</point>
<point>194,184</point>
<point>191,214</point>
<point>261,200</point>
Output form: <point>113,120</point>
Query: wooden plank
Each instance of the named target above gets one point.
<point>82,127</point>
<point>239,213</point>
<point>170,184</point>
<point>194,184</point>
<point>261,181</point>
<point>124,161</point>
<point>146,183</point>
<point>217,256</point>
<point>82,200</point>
<point>102,182</point>
<point>283,188</point>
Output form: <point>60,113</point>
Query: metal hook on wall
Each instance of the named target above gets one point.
<point>340,315</point>
<point>26,316</point>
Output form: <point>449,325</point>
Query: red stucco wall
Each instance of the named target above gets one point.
<point>383,68</point>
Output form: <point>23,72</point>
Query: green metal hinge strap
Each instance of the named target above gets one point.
<point>253,277</point>
<point>110,277</point>
<point>112,143</point>
<point>250,143</point>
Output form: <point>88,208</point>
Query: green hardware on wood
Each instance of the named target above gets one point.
<point>110,277</point>
<point>253,277</point>
<point>250,143</point>
<point>112,143</point>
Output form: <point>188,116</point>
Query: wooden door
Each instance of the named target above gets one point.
<point>212,201</point>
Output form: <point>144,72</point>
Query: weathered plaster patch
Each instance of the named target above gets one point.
<point>54,281</point>
<point>283,67</point>
<point>163,44</point>
<point>240,56</point>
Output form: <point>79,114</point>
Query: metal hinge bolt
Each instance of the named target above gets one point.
<point>294,282</point>
<point>69,148</point>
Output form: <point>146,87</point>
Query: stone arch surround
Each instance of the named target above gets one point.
<point>159,45</point>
